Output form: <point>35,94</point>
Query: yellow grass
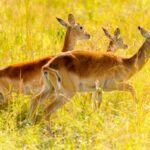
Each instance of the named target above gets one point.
<point>29,30</point>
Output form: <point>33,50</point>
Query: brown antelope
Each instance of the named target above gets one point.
<point>82,71</point>
<point>116,42</point>
<point>26,77</point>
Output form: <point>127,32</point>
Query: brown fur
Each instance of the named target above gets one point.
<point>89,71</point>
<point>116,42</point>
<point>24,71</point>
<point>85,63</point>
<point>26,77</point>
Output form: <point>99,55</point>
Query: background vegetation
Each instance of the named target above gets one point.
<point>29,30</point>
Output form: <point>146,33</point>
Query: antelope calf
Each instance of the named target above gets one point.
<point>83,71</point>
<point>26,77</point>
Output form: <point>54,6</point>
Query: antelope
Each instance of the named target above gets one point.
<point>26,77</point>
<point>83,71</point>
<point>116,42</point>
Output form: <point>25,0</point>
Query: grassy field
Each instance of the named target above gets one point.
<point>29,30</point>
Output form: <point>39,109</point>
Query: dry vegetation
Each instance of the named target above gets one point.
<point>29,30</point>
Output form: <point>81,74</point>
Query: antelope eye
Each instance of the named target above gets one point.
<point>81,27</point>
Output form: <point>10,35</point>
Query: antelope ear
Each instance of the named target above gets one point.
<point>62,22</point>
<point>71,19</point>
<point>107,33</point>
<point>144,33</point>
<point>117,32</point>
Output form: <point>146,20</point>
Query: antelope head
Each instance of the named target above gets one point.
<point>144,33</point>
<point>75,30</point>
<point>146,44</point>
<point>116,42</point>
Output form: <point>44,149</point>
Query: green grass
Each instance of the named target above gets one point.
<point>29,30</point>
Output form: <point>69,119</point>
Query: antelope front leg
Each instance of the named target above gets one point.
<point>126,87</point>
<point>130,88</point>
<point>97,96</point>
<point>96,99</point>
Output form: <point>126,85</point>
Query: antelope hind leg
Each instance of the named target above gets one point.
<point>37,100</point>
<point>57,103</point>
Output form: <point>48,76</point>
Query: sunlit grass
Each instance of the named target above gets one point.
<point>29,30</point>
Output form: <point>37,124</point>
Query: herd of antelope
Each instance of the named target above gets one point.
<point>58,78</point>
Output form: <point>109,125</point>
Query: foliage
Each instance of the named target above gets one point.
<point>29,30</point>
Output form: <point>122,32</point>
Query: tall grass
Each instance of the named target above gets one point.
<point>29,30</point>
